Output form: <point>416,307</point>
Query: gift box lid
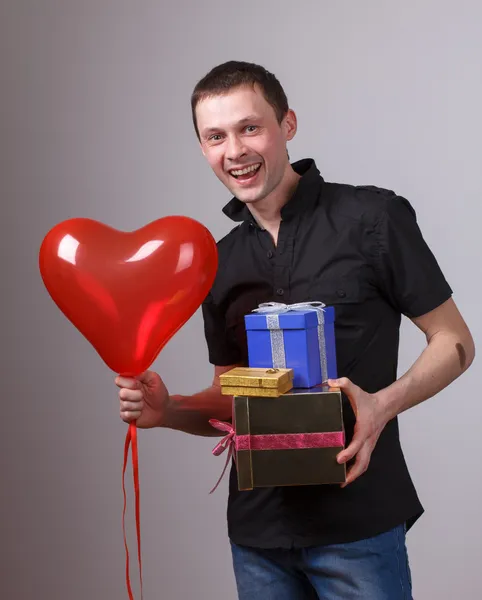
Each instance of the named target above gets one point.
<point>299,319</point>
<point>256,377</point>
<point>316,410</point>
<point>322,388</point>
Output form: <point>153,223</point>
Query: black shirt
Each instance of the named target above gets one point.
<point>360,250</point>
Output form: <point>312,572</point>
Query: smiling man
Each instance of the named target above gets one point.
<point>299,238</point>
<point>245,144</point>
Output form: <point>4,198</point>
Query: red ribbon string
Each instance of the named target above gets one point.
<point>131,440</point>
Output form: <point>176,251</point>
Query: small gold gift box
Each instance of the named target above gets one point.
<point>248,381</point>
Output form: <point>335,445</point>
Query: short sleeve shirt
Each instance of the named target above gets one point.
<point>359,249</point>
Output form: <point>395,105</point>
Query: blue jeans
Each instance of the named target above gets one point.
<point>373,569</point>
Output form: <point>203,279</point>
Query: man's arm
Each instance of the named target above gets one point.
<point>450,351</point>
<point>191,414</point>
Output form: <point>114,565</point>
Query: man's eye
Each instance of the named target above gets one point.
<point>215,137</point>
<point>251,128</point>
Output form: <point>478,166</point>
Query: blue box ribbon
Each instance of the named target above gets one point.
<point>272,310</point>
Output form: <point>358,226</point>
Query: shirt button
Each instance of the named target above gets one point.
<point>341,293</point>
<point>270,254</point>
<point>280,291</point>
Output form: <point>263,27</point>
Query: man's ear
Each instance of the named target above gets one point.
<point>290,125</point>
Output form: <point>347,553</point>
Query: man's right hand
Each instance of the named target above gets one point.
<point>143,399</point>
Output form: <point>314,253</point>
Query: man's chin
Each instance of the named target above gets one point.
<point>247,200</point>
<point>245,195</point>
<point>248,197</point>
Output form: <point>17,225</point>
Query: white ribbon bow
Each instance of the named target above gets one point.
<point>280,307</point>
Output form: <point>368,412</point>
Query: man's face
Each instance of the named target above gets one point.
<point>243,141</point>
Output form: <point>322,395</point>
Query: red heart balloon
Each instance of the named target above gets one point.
<point>128,292</point>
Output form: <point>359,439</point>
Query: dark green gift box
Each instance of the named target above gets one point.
<point>291,440</point>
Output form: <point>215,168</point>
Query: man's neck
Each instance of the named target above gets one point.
<point>267,212</point>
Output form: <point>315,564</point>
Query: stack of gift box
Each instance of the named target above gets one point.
<point>287,426</point>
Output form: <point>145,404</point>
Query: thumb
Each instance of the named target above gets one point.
<point>350,389</point>
<point>151,380</point>
<point>145,377</point>
<point>343,383</point>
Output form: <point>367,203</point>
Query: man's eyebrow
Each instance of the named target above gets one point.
<point>248,119</point>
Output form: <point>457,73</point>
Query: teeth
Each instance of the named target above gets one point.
<point>246,170</point>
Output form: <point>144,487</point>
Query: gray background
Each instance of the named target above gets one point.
<point>95,122</point>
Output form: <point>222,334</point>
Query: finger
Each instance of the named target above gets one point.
<point>129,416</point>
<point>344,384</point>
<point>126,382</point>
<point>129,406</point>
<point>360,466</point>
<point>352,449</point>
<point>131,395</point>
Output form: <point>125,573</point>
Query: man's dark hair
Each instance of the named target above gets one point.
<point>232,74</point>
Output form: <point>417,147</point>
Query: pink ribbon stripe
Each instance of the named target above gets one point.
<point>289,441</point>
<point>272,441</point>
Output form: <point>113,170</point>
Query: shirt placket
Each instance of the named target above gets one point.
<point>282,261</point>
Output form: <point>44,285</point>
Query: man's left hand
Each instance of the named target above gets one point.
<point>370,421</point>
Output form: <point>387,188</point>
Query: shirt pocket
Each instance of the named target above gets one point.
<point>346,294</point>
<point>354,302</point>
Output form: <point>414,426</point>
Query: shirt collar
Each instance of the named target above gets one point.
<point>305,194</point>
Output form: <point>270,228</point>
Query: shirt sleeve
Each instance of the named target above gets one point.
<point>408,272</point>
<point>222,348</point>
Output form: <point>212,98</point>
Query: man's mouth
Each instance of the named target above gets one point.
<point>246,173</point>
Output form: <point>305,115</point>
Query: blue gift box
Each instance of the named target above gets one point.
<point>295,337</point>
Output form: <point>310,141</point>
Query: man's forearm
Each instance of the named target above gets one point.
<point>444,359</point>
<point>191,414</point>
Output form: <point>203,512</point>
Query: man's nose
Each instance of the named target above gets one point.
<point>235,148</point>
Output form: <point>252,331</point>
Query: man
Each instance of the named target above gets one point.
<point>359,249</point>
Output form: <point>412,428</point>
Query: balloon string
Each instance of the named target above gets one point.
<point>135,467</point>
<point>131,439</point>
<point>126,454</point>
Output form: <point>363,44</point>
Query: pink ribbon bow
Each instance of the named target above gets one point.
<point>227,443</point>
